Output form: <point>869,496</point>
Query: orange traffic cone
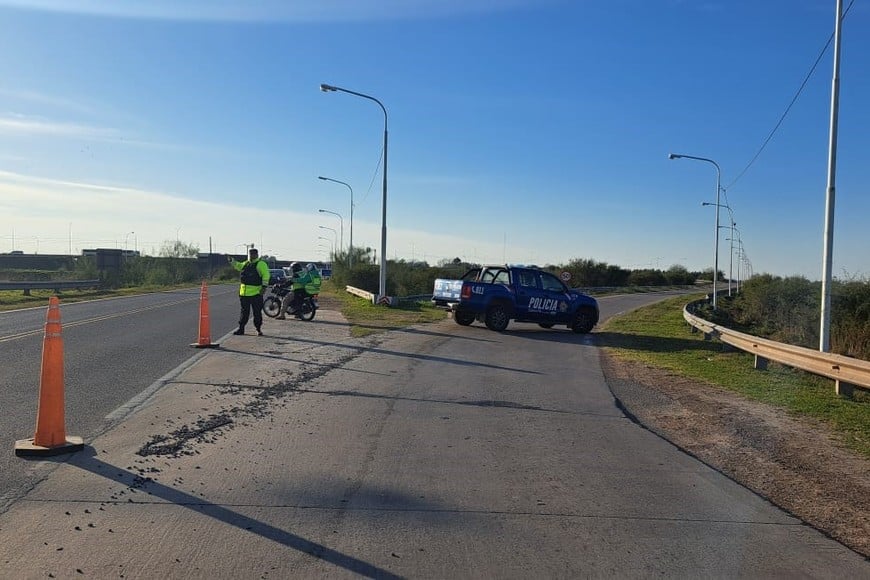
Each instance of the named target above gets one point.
<point>50,438</point>
<point>204,324</point>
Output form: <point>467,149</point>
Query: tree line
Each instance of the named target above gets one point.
<point>785,309</point>
<point>788,309</point>
<point>412,278</point>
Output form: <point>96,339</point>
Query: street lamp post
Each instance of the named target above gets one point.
<point>735,237</point>
<point>350,247</point>
<point>332,243</point>
<point>247,247</point>
<point>382,282</point>
<point>340,222</point>
<point>334,235</point>
<point>830,196</point>
<point>716,228</point>
<point>126,236</point>
<point>731,255</point>
<point>732,239</point>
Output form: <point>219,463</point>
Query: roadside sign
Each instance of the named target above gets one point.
<point>565,276</point>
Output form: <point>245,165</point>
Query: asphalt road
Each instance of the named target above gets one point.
<point>437,451</point>
<point>114,349</point>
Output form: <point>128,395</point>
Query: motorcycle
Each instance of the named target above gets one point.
<point>277,292</point>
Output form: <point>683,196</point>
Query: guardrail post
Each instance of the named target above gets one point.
<point>845,390</point>
<point>848,372</point>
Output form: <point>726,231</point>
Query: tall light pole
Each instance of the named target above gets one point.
<point>735,237</point>
<point>731,255</point>
<point>332,243</point>
<point>350,248</point>
<point>827,266</point>
<point>334,235</point>
<point>340,222</point>
<point>716,228</point>
<point>126,236</point>
<point>382,282</point>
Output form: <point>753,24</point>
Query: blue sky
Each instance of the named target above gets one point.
<point>533,131</point>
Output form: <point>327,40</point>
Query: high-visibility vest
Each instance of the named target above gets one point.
<point>313,285</point>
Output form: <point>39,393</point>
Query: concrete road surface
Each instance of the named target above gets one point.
<point>438,451</point>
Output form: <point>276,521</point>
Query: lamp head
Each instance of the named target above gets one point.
<point>326,88</point>
<point>322,210</point>
<point>321,177</point>
<point>673,156</point>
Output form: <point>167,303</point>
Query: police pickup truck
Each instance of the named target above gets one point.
<point>495,295</point>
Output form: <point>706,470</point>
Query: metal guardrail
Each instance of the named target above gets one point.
<point>387,300</point>
<point>848,373</point>
<point>361,293</point>
<point>414,298</point>
<point>639,289</point>
<point>56,285</point>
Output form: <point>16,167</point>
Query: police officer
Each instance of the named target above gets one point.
<point>299,278</point>
<point>313,286</point>
<point>253,281</point>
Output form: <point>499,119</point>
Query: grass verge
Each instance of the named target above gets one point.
<point>659,336</point>
<point>366,318</point>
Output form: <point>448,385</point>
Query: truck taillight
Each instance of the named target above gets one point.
<point>466,291</point>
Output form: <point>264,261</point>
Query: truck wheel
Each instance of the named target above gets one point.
<point>496,318</point>
<point>463,318</point>
<point>582,322</point>
<point>545,324</point>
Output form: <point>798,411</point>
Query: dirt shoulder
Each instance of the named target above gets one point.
<point>793,462</point>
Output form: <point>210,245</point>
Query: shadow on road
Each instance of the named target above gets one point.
<point>405,330</point>
<point>642,342</point>
<point>88,461</point>
<point>306,360</point>
<point>375,350</point>
<point>495,404</point>
<point>559,334</point>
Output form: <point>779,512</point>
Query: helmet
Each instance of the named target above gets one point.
<point>295,267</point>
<point>311,267</point>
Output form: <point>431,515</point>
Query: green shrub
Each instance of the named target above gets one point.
<point>789,310</point>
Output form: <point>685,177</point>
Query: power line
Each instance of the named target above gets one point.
<point>374,176</point>
<point>794,99</point>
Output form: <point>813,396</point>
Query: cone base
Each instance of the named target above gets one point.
<point>26,447</point>
<point>209,345</point>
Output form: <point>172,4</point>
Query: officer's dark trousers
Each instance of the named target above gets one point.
<point>248,303</point>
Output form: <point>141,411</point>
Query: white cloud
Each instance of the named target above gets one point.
<point>50,215</point>
<point>24,126</point>
<point>44,99</point>
<point>21,125</point>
